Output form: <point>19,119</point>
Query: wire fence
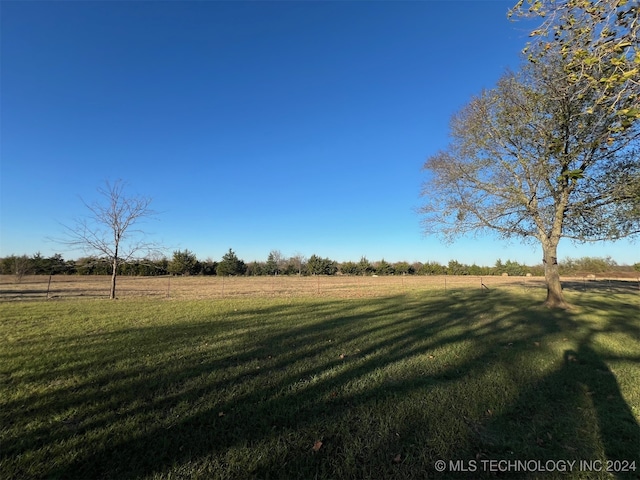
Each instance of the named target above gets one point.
<point>40,287</point>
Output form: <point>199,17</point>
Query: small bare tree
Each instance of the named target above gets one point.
<point>108,230</point>
<point>21,266</point>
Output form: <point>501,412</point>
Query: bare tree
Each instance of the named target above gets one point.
<point>298,260</point>
<point>108,230</point>
<point>21,266</point>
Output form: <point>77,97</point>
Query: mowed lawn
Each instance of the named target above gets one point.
<point>326,388</point>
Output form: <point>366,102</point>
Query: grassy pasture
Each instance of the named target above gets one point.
<point>38,287</point>
<point>325,385</point>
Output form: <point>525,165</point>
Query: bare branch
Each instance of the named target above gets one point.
<point>108,230</point>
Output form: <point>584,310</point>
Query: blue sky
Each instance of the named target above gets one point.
<point>296,126</point>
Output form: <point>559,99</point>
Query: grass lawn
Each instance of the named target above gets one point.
<point>305,388</point>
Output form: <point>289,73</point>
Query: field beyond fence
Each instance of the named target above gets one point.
<point>39,287</point>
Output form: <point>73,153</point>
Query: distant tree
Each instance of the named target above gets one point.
<point>93,266</point>
<point>432,268</point>
<point>184,263</point>
<point>364,266</point>
<point>321,266</point>
<point>478,270</point>
<point>383,268</point>
<point>299,261</point>
<point>209,267</point>
<point>456,268</point>
<point>109,229</point>
<point>586,265</point>
<point>403,268</point>
<point>230,265</point>
<point>274,262</point>
<point>349,268</point>
<point>19,266</point>
<point>290,266</point>
<point>55,264</point>
<point>513,268</point>
<point>636,267</point>
<point>255,269</point>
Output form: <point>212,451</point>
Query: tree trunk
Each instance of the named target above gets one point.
<point>555,297</point>
<point>112,292</point>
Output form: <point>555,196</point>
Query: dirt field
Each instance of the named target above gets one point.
<point>72,286</point>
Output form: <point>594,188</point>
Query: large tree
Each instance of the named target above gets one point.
<point>109,230</point>
<point>550,152</point>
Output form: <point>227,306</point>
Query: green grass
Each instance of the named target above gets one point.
<point>241,389</point>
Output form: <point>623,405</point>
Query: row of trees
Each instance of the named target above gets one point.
<point>184,262</point>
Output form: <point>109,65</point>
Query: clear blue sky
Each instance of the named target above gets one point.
<point>297,126</point>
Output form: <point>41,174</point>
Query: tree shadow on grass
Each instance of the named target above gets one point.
<point>575,418</point>
<point>376,388</point>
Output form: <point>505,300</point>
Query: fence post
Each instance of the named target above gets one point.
<point>48,286</point>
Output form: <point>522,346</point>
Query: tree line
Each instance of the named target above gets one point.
<point>185,262</point>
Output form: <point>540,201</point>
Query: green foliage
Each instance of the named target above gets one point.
<point>432,268</point>
<point>349,268</point>
<point>255,268</point>
<point>271,267</point>
<point>209,267</point>
<point>184,263</point>
<point>230,265</point>
<point>403,268</point>
<point>384,268</point>
<point>456,268</point>
<point>599,46</point>
<point>321,266</point>
<point>144,267</point>
<point>587,265</point>
<point>93,266</point>
<point>365,267</point>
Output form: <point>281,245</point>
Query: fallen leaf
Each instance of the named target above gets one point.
<point>537,344</point>
<point>431,356</point>
<point>221,414</point>
<point>342,356</point>
<point>397,458</point>
<point>317,446</point>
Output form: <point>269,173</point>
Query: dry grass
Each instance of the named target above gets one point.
<point>63,286</point>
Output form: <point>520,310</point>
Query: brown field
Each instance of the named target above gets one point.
<point>94,286</point>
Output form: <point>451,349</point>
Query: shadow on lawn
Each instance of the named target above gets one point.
<point>387,385</point>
